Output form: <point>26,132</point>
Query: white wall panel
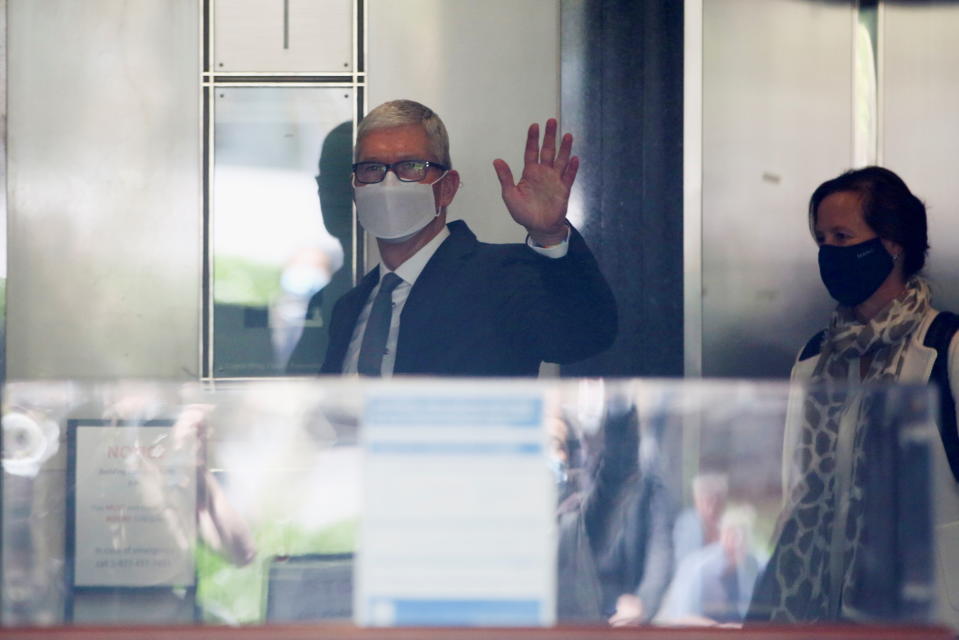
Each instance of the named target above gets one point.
<point>283,36</point>
<point>777,105</point>
<point>488,68</point>
<point>104,188</point>
<point>920,106</point>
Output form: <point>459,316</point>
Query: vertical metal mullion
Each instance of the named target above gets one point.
<point>359,237</point>
<point>206,25</point>
<point>693,189</point>
<point>206,325</point>
<point>209,88</point>
<point>880,80</point>
<point>359,33</point>
<point>210,85</point>
<point>692,228</point>
<point>3,186</point>
<point>865,151</point>
<point>3,317</point>
<point>854,89</point>
<point>359,109</point>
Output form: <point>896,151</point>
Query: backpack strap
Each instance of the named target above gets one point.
<point>813,347</point>
<point>939,336</point>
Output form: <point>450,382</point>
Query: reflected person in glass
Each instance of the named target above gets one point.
<point>336,207</point>
<point>614,545</point>
<point>443,303</point>
<point>872,237</point>
<point>713,584</point>
<point>698,526</point>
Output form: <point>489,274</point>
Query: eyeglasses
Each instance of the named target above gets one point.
<point>405,170</point>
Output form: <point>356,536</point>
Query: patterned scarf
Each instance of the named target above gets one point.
<point>821,562</point>
<point>883,338</point>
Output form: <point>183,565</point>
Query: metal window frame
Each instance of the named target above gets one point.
<point>693,189</point>
<point>211,80</point>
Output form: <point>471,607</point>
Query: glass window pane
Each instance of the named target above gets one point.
<point>672,502</point>
<point>281,255</point>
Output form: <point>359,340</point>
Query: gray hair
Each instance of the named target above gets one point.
<point>399,113</point>
<point>711,484</point>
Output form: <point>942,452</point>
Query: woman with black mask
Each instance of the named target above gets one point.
<point>872,237</point>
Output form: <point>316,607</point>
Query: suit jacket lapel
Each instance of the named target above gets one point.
<point>429,293</point>
<point>342,332</point>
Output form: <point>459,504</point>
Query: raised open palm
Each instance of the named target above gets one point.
<point>540,199</point>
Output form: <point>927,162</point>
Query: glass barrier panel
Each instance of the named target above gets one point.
<point>438,503</point>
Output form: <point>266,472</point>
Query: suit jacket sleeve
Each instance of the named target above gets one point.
<point>658,553</point>
<point>571,312</point>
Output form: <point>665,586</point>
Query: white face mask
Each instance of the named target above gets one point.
<point>394,210</point>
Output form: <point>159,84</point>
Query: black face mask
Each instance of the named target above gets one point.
<point>852,274</point>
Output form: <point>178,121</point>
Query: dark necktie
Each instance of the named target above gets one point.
<point>373,347</point>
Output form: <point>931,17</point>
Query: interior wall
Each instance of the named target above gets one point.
<point>782,113</point>
<point>777,98</point>
<point>104,208</point>
<point>623,90</point>
<point>489,69</point>
<point>920,124</point>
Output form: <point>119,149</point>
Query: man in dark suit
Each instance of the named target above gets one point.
<point>443,303</point>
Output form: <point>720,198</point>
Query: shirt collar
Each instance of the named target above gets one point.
<point>412,267</point>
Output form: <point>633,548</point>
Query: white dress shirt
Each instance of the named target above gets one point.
<point>409,271</point>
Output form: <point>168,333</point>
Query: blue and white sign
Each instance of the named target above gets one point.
<point>459,507</point>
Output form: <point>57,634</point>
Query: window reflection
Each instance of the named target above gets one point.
<point>282,490</point>
<point>279,249</point>
<point>667,500</point>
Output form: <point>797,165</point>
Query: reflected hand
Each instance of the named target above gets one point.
<point>629,611</point>
<point>539,200</point>
<point>219,524</point>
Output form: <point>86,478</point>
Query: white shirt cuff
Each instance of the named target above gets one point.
<point>556,251</point>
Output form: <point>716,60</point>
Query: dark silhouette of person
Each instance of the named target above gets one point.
<point>336,205</point>
<point>615,545</point>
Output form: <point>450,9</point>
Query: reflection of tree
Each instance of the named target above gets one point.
<point>292,469</point>
<point>336,205</point>
<point>245,282</point>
